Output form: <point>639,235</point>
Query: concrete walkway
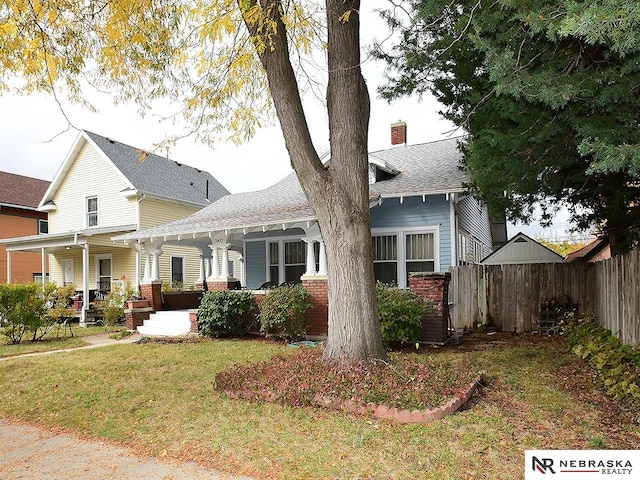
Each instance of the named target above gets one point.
<point>94,341</point>
<point>34,453</point>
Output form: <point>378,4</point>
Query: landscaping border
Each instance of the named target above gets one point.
<point>461,397</point>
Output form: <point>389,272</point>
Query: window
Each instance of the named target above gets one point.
<point>43,227</point>
<point>295,263</point>
<point>103,273</point>
<point>274,262</point>
<point>385,258</point>
<point>396,254</point>
<point>419,253</point>
<point>92,211</point>
<point>287,260</point>
<point>37,278</point>
<point>177,271</point>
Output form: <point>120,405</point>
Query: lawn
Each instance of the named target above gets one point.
<point>57,339</point>
<point>159,399</point>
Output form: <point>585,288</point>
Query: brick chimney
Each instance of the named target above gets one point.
<point>398,133</point>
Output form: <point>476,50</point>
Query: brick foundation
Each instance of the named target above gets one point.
<point>433,287</point>
<point>216,286</point>
<point>193,318</point>
<point>135,317</point>
<point>318,315</point>
<point>152,291</point>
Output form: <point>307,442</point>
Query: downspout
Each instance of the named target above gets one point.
<point>8,267</point>
<point>454,229</point>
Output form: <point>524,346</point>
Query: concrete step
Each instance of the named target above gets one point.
<point>166,324</point>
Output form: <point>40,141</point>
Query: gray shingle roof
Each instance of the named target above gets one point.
<point>425,168</point>
<point>428,168</point>
<point>160,176</point>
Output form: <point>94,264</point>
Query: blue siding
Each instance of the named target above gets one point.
<point>473,216</point>
<point>255,263</point>
<point>413,212</point>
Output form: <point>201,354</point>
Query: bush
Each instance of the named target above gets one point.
<point>23,308</point>
<point>618,365</point>
<point>283,312</point>
<point>226,313</point>
<point>59,309</point>
<point>401,313</point>
<point>113,307</point>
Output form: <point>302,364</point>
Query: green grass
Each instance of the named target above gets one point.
<point>54,340</point>
<point>159,399</point>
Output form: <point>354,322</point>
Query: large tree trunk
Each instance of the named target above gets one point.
<point>338,194</point>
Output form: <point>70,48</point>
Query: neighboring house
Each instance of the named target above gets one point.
<point>19,199</point>
<point>522,249</point>
<point>594,251</point>
<point>422,221</point>
<point>105,188</point>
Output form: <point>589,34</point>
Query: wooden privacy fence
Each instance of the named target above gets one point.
<point>509,296</point>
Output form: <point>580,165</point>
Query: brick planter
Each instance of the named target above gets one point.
<point>318,315</point>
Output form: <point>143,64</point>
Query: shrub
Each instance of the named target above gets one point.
<point>401,313</point>
<point>59,309</point>
<point>113,307</point>
<point>618,365</point>
<point>226,313</point>
<point>283,312</point>
<point>23,308</point>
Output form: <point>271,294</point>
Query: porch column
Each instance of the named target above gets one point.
<point>44,266</point>
<point>147,266</point>
<point>138,264</point>
<point>85,285</point>
<point>155,267</point>
<point>207,266</point>
<point>225,261</point>
<point>8,266</point>
<point>201,276</point>
<point>311,257</point>
<point>215,263</point>
<point>323,259</point>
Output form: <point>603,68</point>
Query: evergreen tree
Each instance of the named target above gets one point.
<point>548,92</point>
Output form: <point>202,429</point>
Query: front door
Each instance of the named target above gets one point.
<point>68,273</point>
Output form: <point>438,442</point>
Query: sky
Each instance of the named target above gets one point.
<point>35,137</point>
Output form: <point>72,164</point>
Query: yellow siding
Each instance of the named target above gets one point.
<point>156,212</point>
<point>123,265</point>
<point>91,175</point>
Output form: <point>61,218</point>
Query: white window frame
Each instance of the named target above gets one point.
<point>88,214</point>
<point>42,221</point>
<point>280,241</point>
<point>96,259</point>
<point>184,273</point>
<point>402,242</point>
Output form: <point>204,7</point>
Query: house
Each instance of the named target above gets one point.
<point>595,251</point>
<point>522,249</point>
<point>19,199</point>
<point>422,221</point>
<point>105,188</point>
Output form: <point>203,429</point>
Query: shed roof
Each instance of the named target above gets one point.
<point>522,249</point>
